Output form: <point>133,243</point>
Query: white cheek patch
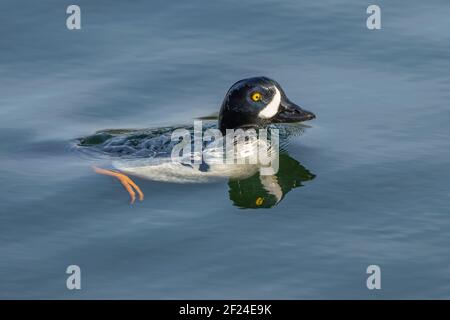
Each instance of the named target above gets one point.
<point>272,107</point>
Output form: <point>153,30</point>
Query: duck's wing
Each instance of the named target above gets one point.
<point>131,143</point>
<point>127,143</point>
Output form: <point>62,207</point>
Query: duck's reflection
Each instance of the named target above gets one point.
<point>260,191</point>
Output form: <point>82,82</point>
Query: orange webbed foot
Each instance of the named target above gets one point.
<point>128,184</point>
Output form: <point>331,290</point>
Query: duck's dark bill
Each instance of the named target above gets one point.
<point>290,112</point>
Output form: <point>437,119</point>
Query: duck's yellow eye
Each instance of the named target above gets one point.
<point>256,96</point>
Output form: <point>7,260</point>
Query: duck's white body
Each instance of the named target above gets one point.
<point>215,165</point>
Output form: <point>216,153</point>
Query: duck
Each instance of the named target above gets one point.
<point>249,104</point>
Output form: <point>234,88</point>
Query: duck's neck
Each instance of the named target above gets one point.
<point>224,129</point>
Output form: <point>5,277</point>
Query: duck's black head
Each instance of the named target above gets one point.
<point>256,102</point>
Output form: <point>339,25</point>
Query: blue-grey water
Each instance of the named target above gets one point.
<point>378,152</point>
